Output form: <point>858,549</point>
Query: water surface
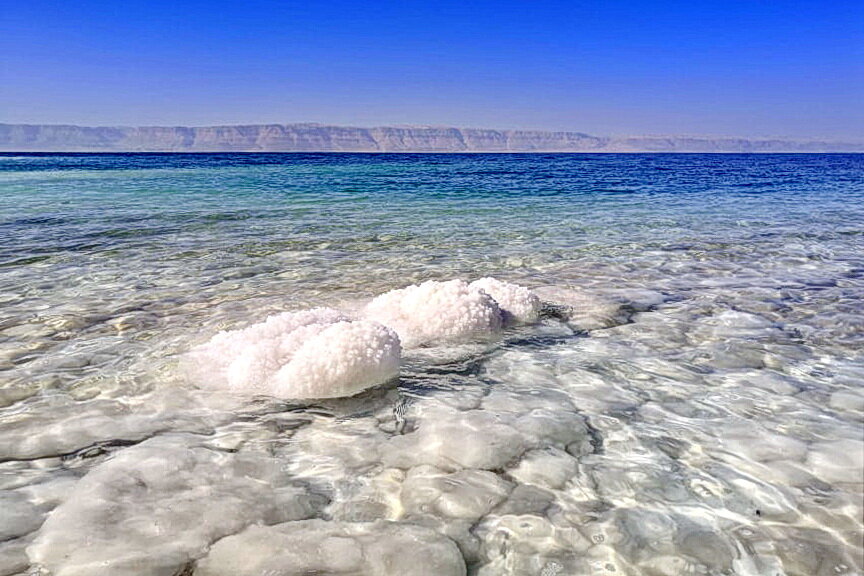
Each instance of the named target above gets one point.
<point>699,410</point>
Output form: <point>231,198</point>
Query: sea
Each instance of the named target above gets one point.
<point>686,399</point>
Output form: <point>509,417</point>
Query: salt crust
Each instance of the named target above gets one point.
<point>518,303</point>
<point>507,472</point>
<point>155,506</point>
<point>318,353</point>
<point>319,547</point>
<point>323,353</point>
<point>433,312</point>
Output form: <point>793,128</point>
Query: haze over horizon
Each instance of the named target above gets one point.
<point>738,69</point>
<point>370,126</point>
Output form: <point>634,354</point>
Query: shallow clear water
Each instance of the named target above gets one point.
<point>698,410</point>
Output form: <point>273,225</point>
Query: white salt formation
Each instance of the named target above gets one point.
<point>316,353</point>
<point>518,303</point>
<point>434,312</point>
<point>322,353</point>
<point>596,451</point>
<point>343,359</point>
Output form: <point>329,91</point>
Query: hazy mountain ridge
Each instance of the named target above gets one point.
<point>322,138</point>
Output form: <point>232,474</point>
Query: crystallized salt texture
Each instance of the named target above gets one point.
<point>316,353</point>
<point>245,360</point>
<point>434,312</point>
<point>518,303</point>
<point>341,360</point>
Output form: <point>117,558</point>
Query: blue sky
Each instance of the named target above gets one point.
<point>755,68</point>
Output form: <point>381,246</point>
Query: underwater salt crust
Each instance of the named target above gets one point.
<point>319,547</point>
<point>489,437</point>
<point>318,353</point>
<point>468,494</point>
<point>66,426</point>
<point>154,507</point>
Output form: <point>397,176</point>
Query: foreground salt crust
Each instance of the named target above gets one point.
<point>318,353</point>
<point>154,507</point>
<point>591,452</point>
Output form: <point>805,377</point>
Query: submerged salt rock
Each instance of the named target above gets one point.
<point>583,310</point>
<point>318,353</point>
<point>468,494</point>
<point>549,468</point>
<point>56,425</point>
<point>452,440</point>
<point>13,557</point>
<point>20,516</point>
<point>319,547</point>
<point>154,507</point>
<point>518,303</point>
<point>531,544</point>
<point>434,312</point>
<point>838,461</point>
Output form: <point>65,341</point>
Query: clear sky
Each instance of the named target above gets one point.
<point>748,68</point>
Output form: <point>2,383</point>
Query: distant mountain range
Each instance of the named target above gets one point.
<point>322,138</point>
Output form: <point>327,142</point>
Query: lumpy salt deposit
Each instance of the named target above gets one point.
<point>436,312</point>
<point>517,303</point>
<point>323,353</point>
<point>406,365</point>
<point>316,353</point>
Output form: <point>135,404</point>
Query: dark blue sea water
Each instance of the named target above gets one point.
<point>690,401</point>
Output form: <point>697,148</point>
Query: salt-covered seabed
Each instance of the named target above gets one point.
<point>689,401</point>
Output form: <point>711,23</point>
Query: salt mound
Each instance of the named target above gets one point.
<point>517,302</point>
<point>342,360</point>
<point>316,353</point>
<point>437,311</point>
<point>322,353</point>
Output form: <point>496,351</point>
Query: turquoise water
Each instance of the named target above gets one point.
<point>696,409</point>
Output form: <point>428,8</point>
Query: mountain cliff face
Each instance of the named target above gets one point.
<point>319,138</point>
